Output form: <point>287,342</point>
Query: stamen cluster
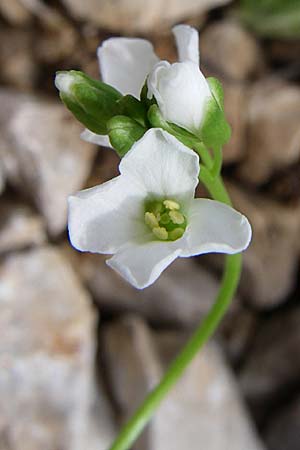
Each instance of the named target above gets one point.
<point>165,219</point>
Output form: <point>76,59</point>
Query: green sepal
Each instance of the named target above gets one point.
<point>148,102</point>
<point>123,133</point>
<point>157,121</point>
<point>133,108</point>
<point>216,89</point>
<point>92,102</point>
<point>215,130</point>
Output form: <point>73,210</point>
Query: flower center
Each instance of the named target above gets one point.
<point>165,219</point>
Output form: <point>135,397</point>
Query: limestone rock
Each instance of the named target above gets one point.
<point>272,364</point>
<point>182,294</point>
<point>230,50</point>
<point>270,262</point>
<point>235,105</point>
<point>273,130</point>
<point>46,357</point>
<point>20,226</point>
<point>15,12</point>
<point>44,155</point>
<point>204,407</point>
<point>18,66</point>
<point>130,16</point>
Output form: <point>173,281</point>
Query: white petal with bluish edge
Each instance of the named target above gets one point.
<point>125,63</point>
<point>94,138</point>
<point>215,227</point>
<point>141,265</point>
<point>181,92</point>
<point>187,41</point>
<point>104,218</point>
<point>161,166</point>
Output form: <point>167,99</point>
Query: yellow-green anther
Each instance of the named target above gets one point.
<point>151,220</point>
<point>161,233</point>
<point>176,217</point>
<point>176,234</point>
<point>170,204</point>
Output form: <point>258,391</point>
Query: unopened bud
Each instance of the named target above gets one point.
<point>92,102</point>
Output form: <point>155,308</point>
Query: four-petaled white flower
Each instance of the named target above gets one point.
<point>180,89</point>
<point>148,216</point>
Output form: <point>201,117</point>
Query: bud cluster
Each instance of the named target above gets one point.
<point>125,119</point>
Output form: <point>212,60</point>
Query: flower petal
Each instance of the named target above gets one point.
<point>162,166</point>
<point>215,227</point>
<point>125,63</point>
<point>98,139</point>
<point>181,92</point>
<point>187,41</point>
<point>104,218</point>
<point>141,265</point>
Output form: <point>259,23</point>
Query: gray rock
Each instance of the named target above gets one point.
<point>43,154</point>
<point>20,226</point>
<point>273,362</point>
<point>47,350</point>
<point>273,130</point>
<point>270,262</point>
<point>18,65</point>
<point>181,296</point>
<point>15,12</point>
<point>235,104</point>
<point>204,407</point>
<point>138,15</point>
<point>230,50</point>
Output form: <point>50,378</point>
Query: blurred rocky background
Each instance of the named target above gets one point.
<point>79,348</point>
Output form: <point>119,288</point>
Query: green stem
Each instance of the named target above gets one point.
<point>229,284</point>
<point>203,152</point>
<point>218,159</point>
<point>215,186</point>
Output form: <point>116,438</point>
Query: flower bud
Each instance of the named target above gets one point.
<point>181,92</point>
<point>123,133</point>
<point>185,98</point>
<point>92,102</point>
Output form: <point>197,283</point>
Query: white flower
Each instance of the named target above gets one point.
<point>180,89</point>
<point>148,216</point>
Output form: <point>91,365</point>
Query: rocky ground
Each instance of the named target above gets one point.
<point>79,347</point>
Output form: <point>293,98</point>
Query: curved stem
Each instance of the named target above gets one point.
<point>229,284</point>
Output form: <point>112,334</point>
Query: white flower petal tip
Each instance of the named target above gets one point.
<point>187,41</point>
<point>63,81</point>
<point>217,228</point>
<point>98,139</point>
<point>142,265</point>
<point>125,63</point>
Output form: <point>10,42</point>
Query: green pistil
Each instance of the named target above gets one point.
<point>165,219</point>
